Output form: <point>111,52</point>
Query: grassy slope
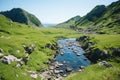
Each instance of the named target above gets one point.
<point>101,19</point>
<point>106,41</point>
<point>68,23</point>
<point>96,72</point>
<point>108,22</point>
<point>14,35</point>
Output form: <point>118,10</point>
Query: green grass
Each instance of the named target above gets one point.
<point>14,35</point>
<point>96,72</point>
<point>106,41</point>
<point>9,73</point>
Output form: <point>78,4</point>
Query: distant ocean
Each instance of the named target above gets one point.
<point>48,25</point>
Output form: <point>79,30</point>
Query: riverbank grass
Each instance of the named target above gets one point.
<point>96,72</point>
<point>106,41</point>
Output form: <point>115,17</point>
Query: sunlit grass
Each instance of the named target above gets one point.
<point>14,35</point>
<point>96,72</point>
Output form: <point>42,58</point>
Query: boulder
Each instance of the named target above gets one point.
<point>82,67</point>
<point>56,71</point>
<point>29,49</point>
<point>34,75</point>
<point>51,46</point>
<point>51,67</point>
<point>60,64</point>
<point>68,69</point>
<point>8,59</point>
<point>57,64</point>
<point>80,70</point>
<point>64,75</point>
<point>105,63</point>
<point>61,71</point>
<point>25,59</point>
<point>78,54</point>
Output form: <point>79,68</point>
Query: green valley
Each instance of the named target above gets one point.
<point>28,49</point>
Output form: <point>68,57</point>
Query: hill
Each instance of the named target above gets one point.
<point>92,16</point>
<point>22,16</point>
<point>101,19</point>
<point>69,24</point>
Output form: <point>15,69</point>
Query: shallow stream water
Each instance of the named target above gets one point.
<point>70,55</point>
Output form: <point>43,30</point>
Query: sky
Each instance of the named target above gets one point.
<point>54,11</point>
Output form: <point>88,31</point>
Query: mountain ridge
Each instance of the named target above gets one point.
<point>101,18</point>
<point>22,16</point>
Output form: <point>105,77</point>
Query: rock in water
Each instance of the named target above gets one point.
<point>68,69</point>
<point>82,67</point>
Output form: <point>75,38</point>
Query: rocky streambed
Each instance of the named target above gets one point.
<point>69,58</point>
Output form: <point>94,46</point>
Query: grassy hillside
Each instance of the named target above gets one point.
<point>96,72</point>
<point>14,35</point>
<point>92,16</point>
<point>12,38</point>
<point>101,19</point>
<point>22,16</point>
<point>69,24</point>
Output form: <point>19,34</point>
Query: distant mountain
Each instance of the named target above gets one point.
<point>92,16</point>
<point>100,19</point>
<point>69,23</point>
<point>102,16</point>
<point>22,16</point>
<point>111,17</point>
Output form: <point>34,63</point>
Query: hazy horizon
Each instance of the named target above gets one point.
<point>54,11</point>
<point>48,24</point>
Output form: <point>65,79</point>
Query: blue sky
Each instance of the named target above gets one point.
<point>54,11</point>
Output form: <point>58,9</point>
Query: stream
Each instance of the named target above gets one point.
<point>70,57</point>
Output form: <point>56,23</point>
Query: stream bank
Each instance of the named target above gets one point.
<point>69,58</point>
<point>95,54</point>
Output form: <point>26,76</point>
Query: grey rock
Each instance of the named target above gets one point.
<point>105,63</point>
<point>82,67</point>
<point>29,49</point>
<point>78,54</point>
<point>68,69</point>
<point>56,71</point>
<point>8,59</point>
<point>34,75</point>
